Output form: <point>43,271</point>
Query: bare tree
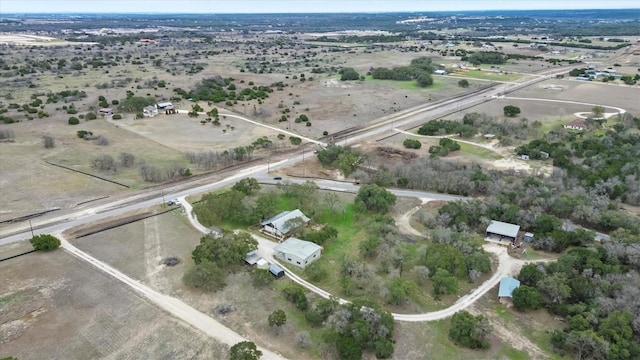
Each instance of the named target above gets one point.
<point>104,162</point>
<point>102,141</point>
<point>126,159</point>
<point>49,142</point>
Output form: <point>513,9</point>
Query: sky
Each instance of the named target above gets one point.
<point>296,6</point>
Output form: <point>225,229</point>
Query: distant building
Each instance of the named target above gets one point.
<point>528,237</point>
<point>150,111</point>
<point>164,105</point>
<point>105,112</point>
<point>507,285</point>
<point>503,230</point>
<point>298,252</point>
<point>577,124</point>
<point>279,225</point>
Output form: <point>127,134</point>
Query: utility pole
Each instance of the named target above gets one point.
<point>31,227</point>
<point>268,166</point>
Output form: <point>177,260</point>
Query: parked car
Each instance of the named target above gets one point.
<point>277,178</point>
<point>176,202</point>
<point>169,202</point>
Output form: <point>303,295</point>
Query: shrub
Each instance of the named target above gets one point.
<point>463,83</point>
<point>45,242</point>
<point>74,120</point>
<point>90,116</point>
<point>116,117</point>
<point>295,140</point>
<point>82,134</point>
<point>511,110</point>
<point>412,144</point>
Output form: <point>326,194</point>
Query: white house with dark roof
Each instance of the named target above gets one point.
<point>297,252</point>
<point>279,225</point>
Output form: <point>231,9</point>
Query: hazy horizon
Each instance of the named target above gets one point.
<point>293,6</point>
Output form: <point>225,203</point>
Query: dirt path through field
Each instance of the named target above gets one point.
<point>404,221</point>
<point>152,254</point>
<point>511,335</point>
<point>172,305</point>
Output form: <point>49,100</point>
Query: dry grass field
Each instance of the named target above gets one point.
<point>56,307</point>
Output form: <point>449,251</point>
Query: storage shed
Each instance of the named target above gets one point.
<point>252,258</point>
<point>276,271</point>
<point>503,230</point>
<point>507,285</point>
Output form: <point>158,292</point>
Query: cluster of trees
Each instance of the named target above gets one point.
<point>208,160</point>
<point>595,289</point>
<point>135,104</point>
<point>607,163</point>
<point>349,74</point>
<point>354,328</point>
<point>470,331</point>
<point>154,174</point>
<point>374,198</point>
<point>244,205</point>
<point>485,57</point>
<point>215,256</point>
<point>217,89</point>
<point>444,147</point>
<point>344,158</point>
<point>445,127</point>
<point>420,70</point>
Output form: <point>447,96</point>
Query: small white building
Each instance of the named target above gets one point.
<point>440,72</point>
<point>150,111</point>
<point>298,252</point>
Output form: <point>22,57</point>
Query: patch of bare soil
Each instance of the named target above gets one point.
<point>509,333</point>
<point>394,153</point>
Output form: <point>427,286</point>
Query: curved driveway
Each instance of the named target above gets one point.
<point>506,266</point>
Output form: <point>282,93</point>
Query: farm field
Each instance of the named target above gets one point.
<point>91,315</point>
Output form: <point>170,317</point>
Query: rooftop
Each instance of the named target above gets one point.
<point>280,221</point>
<point>507,285</point>
<point>503,228</point>
<point>252,258</point>
<point>299,248</point>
